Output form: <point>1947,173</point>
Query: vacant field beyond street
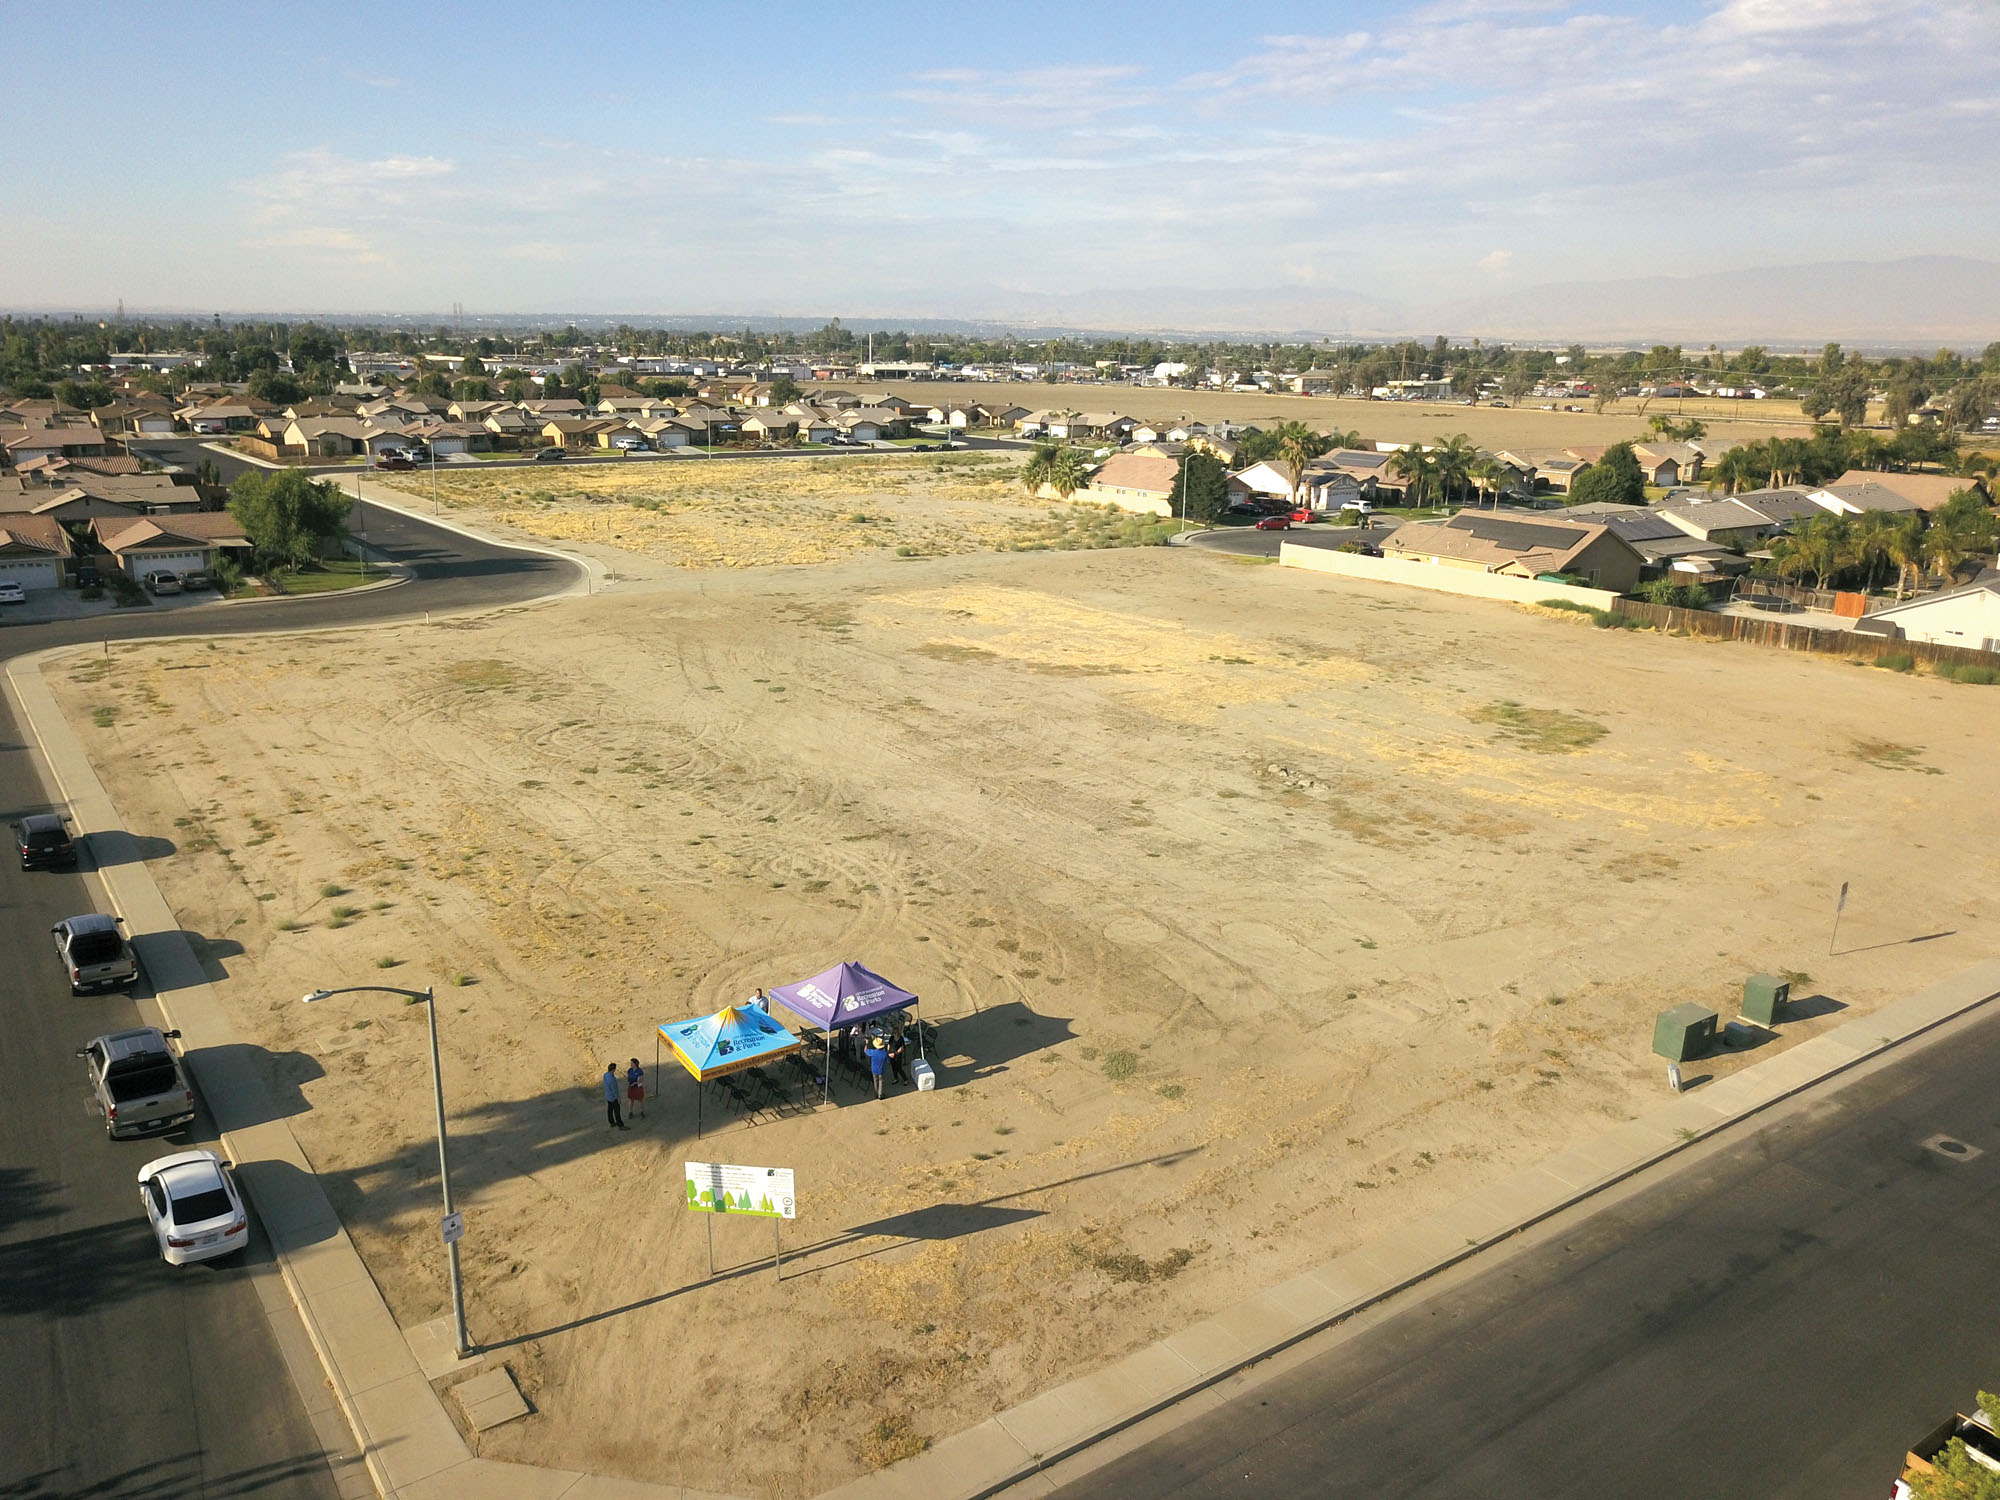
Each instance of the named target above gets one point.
<point>1262,912</point>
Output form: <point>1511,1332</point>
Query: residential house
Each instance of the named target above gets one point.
<point>1135,481</point>
<point>510,424</point>
<point>225,415</point>
<point>139,545</point>
<point>999,413</point>
<point>1668,464</point>
<point>817,430</point>
<point>1855,499</point>
<point>1925,491</point>
<point>1369,470</point>
<point>473,411</point>
<point>1968,616</point>
<point>446,438</point>
<point>142,416</point>
<point>771,427</point>
<point>1316,382</point>
<point>885,422</point>
<point>22,444</point>
<point>1268,479</point>
<point>1520,548</point>
<point>1557,471</point>
<point>578,433</point>
<point>1740,520</point>
<point>555,406</point>
<point>1664,545</point>
<point>32,551</point>
<point>324,437</point>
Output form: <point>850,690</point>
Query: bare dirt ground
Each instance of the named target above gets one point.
<point>681,513</point>
<point>1525,426</point>
<point>1265,911</point>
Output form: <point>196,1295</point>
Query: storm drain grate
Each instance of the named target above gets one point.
<point>1951,1148</point>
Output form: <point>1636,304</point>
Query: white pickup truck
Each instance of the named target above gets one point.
<point>1982,1447</point>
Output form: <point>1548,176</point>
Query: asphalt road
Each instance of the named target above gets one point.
<point>1779,1318</point>
<point>122,1376</point>
<point>1248,541</point>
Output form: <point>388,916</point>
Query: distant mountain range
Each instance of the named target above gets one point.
<point>1916,303</point>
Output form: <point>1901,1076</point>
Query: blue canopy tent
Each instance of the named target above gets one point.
<point>844,995</point>
<point>733,1039</point>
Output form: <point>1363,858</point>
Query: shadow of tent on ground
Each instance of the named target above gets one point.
<point>987,1041</point>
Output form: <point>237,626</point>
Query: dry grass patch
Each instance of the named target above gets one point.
<point>1547,731</point>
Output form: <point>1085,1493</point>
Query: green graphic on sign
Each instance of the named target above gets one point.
<point>760,1192</point>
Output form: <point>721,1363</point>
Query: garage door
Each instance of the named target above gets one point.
<point>31,575</point>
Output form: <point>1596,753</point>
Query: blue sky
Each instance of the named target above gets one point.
<point>943,160</point>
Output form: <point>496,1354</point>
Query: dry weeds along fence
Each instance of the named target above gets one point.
<point>1791,637</point>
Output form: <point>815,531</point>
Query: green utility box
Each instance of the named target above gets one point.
<point>1684,1033</point>
<point>1764,997</point>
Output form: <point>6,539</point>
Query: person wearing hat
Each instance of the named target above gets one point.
<point>878,1061</point>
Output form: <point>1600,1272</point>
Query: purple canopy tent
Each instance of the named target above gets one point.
<point>843,996</point>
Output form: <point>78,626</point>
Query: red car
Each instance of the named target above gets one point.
<point>1275,523</point>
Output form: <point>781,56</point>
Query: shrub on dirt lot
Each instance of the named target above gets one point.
<point>1897,662</point>
<point>1119,1066</point>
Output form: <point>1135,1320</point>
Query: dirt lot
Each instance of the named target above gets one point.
<point>752,512</point>
<point>1265,911</point>
<point>1524,426</point>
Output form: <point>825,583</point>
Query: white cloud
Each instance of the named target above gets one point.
<point>1496,262</point>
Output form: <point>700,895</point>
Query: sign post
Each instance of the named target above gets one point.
<point>750,1192</point>
<point>452,1226</point>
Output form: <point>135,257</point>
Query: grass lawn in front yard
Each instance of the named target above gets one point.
<point>340,573</point>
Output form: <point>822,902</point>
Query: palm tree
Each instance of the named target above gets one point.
<point>1453,457</point>
<point>1944,550</point>
<point>1040,466</point>
<point>1904,547</point>
<point>1069,471</point>
<point>1413,466</point>
<point>1488,473</point>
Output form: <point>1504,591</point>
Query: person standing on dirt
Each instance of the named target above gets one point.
<point>878,1062</point>
<point>611,1115</point>
<point>899,1057</point>
<point>635,1090</point>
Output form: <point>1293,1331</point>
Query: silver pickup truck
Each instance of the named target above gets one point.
<point>137,1082</point>
<point>94,953</point>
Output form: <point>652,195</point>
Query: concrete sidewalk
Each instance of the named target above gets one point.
<point>402,1432</point>
<point>409,1443</point>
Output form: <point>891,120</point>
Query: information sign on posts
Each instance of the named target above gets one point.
<point>759,1192</point>
<point>453,1225</point>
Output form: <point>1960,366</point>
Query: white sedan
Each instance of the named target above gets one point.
<point>193,1205</point>
<point>12,592</point>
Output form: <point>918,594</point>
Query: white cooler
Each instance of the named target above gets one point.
<point>926,1079</point>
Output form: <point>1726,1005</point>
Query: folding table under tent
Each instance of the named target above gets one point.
<point>735,1038</point>
<point>844,995</point>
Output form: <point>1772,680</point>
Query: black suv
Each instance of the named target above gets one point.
<point>43,841</point>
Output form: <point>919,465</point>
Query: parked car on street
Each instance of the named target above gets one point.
<point>1275,523</point>
<point>633,444</point>
<point>137,1082</point>
<point>164,581</point>
<point>394,458</point>
<point>12,592</point>
<point>94,953</point>
<point>193,1206</point>
<point>42,840</point>
<point>548,455</point>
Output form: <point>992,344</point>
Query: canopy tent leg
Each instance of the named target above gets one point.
<point>826,1081</point>
<point>697,1116</point>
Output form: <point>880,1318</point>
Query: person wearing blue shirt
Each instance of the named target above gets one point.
<point>878,1062</point>
<point>611,1085</point>
<point>635,1090</point>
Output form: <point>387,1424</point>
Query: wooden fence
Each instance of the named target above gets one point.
<point>1787,636</point>
<point>1826,600</point>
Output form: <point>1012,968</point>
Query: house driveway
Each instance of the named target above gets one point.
<point>45,605</point>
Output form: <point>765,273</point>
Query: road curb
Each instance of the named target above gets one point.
<point>1016,1445</point>
<point>408,1442</point>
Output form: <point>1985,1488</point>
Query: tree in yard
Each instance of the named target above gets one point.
<point>784,391</point>
<point>1903,546</point>
<point>1414,467</point>
<point>276,387</point>
<point>1488,477</point>
<point>1821,545</point>
<point>1955,1474</point>
<point>289,518</point>
<point>1614,479</point>
<point>1201,489</point>
<point>1062,469</point>
<point>1679,432</point>
<point>1451,460</point>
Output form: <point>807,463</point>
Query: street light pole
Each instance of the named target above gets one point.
<point>428,997</point>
